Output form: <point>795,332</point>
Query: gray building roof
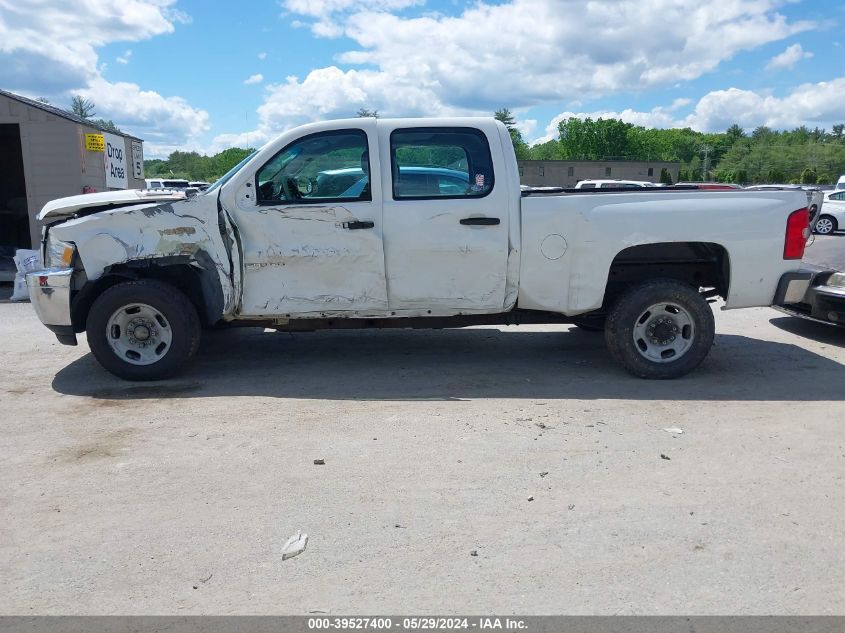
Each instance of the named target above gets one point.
<point>70,116</point>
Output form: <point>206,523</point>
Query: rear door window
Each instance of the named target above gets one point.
<point>440,163</point>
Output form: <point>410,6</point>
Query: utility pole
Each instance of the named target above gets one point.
<point>705,165</point>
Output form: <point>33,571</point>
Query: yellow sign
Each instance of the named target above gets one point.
<point>95,143</point>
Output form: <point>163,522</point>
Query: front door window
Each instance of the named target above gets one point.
<point>320,168</point>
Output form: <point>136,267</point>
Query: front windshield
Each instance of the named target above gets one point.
<point>225,177</point>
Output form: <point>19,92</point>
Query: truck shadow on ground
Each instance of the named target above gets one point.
<point>828,334</point>
<point>462,364</point>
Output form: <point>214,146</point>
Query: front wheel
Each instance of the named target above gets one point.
<point>826,225</point>
<point>660,329</point>
<point>143,330</point>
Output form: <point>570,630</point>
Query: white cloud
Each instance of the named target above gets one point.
<point>516,53</point>
<point>526,127</point>
<point>254,79</point>
<point>329,15</point>
<point>165,123</point>
<point>262,56</point>
<point>812,105</point>
<point>677,104</point>
<point>124,59</point>
<point>788,58</point>
<point>63,36</point>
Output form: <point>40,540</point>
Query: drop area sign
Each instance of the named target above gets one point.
<point>115,160</point>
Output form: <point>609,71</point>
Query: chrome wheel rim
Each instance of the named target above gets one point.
<point>824,226</point>
<point>139,334</point>
<point>664,332</point>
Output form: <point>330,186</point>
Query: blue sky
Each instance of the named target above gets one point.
<point>185,74</point>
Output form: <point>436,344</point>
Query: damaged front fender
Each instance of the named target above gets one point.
<point>186,230</point>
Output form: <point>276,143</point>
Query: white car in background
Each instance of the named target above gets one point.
<point>832,217</point>
<point>166,183</point>
<point>815,202</point>
<point>613,184</point>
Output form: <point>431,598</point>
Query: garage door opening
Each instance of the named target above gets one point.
<point>14,215</point>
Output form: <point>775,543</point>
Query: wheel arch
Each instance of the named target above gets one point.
<point>195,275</point>
<point>701,264</point>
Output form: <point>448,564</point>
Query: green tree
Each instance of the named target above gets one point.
<point>775,175</point>
<point>735,132</point>
<point>107,124</point>
<point>364,112</point>
<point>665,176</point>
<point>808,177</point>
<point>594,140</point>
<point>81,106</point>
<point>520,147</point>
<point>194,166</point>
<point>550,150</point>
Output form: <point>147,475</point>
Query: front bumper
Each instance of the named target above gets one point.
<point>49,292</point>
<point>814,294</point>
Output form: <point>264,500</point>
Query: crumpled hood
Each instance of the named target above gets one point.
<point>67,207</point>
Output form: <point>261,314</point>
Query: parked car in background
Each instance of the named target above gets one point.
<point>166,183</point>
<point>815,200</point>
<point>200,185</point>
<point>709,185</point>
<point>590,183</point>
<point>351,181</point>
<point>840,184</point>
<point>832,217</point>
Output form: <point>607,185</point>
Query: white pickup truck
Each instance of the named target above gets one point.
<point>412,223</point>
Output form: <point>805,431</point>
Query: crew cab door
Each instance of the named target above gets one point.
<point>309,218</point>
<point>445,219</point>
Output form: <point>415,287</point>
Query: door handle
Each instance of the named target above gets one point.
<point>480,221</point>
<point>352,226</point>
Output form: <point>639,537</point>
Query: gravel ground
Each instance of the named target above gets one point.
<point>527,446</point>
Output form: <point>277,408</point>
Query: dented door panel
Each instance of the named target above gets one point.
<point>303,260</point>
<point>449,255</point>
<point>307,258</point>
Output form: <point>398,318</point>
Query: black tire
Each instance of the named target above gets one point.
<point>180,317</point>
<point>627,311</point>
<point>833,224</point>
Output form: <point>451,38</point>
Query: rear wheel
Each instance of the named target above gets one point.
<point>660,329</point>
<point>143,330</point>
<point>826,225</point>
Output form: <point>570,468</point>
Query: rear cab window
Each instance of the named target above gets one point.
<point>440,163</point>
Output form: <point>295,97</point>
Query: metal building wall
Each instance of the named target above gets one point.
<point>555,173</point>
<point>56,163</point>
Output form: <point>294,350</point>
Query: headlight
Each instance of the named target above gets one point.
<point>59,253</point>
